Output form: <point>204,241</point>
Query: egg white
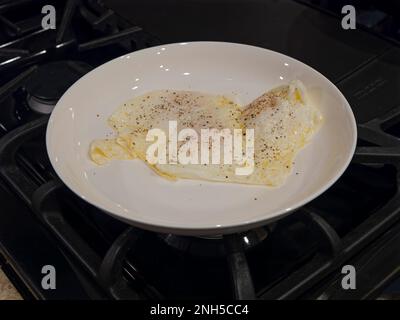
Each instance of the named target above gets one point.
<point>283,121</point>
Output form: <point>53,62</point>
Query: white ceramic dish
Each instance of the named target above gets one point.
<point>130,191</point>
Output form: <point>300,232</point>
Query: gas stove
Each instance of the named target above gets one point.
<point>356,222</point>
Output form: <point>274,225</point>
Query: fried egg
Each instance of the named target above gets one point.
<point>283,121</point>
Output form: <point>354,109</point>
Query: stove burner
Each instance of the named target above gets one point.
<point>213,246</point>
<point>46,86</point>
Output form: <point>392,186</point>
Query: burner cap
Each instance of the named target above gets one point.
<point>46,86</point>
<point>213,246</point>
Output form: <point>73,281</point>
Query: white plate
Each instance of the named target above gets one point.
<point>130,191</point>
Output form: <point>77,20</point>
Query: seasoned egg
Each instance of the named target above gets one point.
<point>280,122</point>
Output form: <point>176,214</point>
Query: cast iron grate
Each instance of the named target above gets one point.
<point>49,44</point>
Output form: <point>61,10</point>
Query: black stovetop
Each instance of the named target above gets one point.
<point>42,223</point>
